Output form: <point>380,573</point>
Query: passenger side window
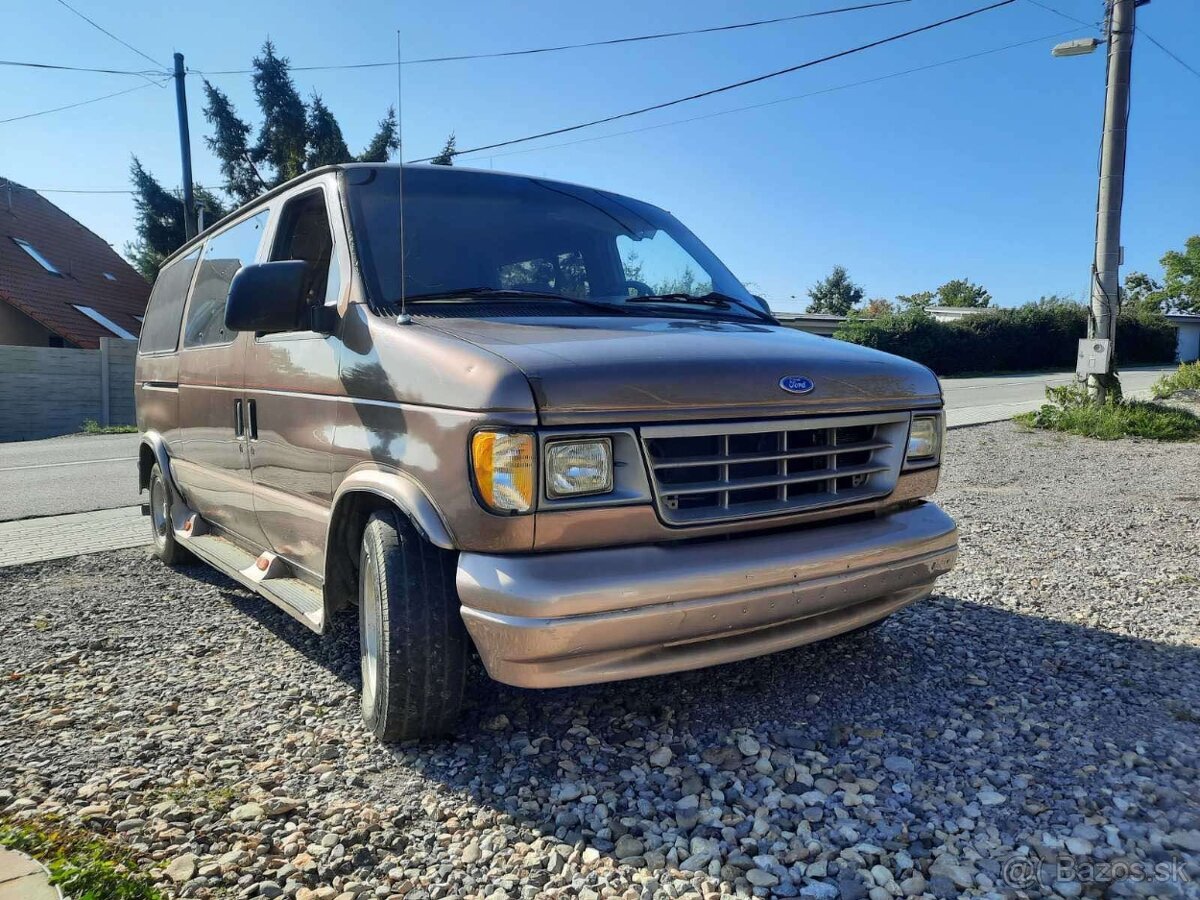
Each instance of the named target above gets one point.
<point>561,273</point>
<point>224,255</point>
<point>164,312</point>
<point>305,234</point>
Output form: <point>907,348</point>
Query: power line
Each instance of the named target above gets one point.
<point>605,43</point>
<point>706,115</point>
<point>712,115</point>
<point>794,97</point>
<point>1061,14</point>
<point>104,30</point>
<point>737,84</point>
<point>46,112</point>
<point>1156,43</point>
<point>37,65</point>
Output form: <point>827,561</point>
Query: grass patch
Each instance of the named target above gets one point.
<point>91,426</point>
<point>1185,378</point>
<point>84,866</point>
<point>1070,410</point>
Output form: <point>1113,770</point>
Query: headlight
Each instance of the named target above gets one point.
<point>503,464</point>
<point>924,439</point>
<point>575,468</point>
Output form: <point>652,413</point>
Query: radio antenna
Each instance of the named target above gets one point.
<point>404,318</point>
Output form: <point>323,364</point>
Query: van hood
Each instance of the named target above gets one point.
<point>606,369</point>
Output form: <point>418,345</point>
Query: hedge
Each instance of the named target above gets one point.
<point>1024,338</point>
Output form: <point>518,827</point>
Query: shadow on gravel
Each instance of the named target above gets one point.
<point>974,697</point>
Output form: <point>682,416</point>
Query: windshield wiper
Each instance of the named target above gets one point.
<point>511,294</point>
<point>713,300</point>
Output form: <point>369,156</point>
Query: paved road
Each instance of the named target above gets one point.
<point>80,473</point>
<point>974,401</point>
<point>68,474</point>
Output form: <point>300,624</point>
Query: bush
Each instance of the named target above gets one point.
<point>1070,409</point>
<point>1034,336</point>
<point>1185,378</point>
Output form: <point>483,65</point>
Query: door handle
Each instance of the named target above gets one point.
<point>239,422</point>
<point>253,407</point>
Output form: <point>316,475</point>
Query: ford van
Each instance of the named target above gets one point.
<point>538,422</point>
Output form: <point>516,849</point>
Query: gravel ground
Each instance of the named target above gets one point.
<point>1039,718</point>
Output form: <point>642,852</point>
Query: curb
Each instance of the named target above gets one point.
<point>24,878</point>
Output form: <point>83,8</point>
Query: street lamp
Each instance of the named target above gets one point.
<point>1080,47</point>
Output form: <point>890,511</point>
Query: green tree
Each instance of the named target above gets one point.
<point>1142,292</point>
<point>283,134</point>
<point>961,292</point>
<point>160,223</point>
<point>386,140</point>
<point>229,142</point>
<point>835,294</point>
<point>326,146</point>
<point>446,156</point>
<point>878,306</point>
<point>1181,277</point>
<point>292,138</point>
<point>919,300</point>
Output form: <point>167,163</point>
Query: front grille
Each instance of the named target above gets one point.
<point>713,473</point>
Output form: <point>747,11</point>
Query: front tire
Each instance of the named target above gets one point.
<point>413,647</point>
<point>166,547</point>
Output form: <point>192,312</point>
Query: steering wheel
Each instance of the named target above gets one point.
<point>641,287</point>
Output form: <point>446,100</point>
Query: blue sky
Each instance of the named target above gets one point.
<point>984,168</point>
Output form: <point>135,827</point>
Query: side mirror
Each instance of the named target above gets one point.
<point>268,297</point>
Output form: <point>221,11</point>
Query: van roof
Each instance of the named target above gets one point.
<point>339,167</point>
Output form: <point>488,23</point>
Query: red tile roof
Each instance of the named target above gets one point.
<point>80,255</point>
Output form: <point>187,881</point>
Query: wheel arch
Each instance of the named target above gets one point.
<point>361,493</point>
<point>153,449</point>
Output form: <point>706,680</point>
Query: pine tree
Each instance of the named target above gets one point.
<point>386,140</point>
<point>160,222</point>
<point>446,157</point>
<point>283,134</point>
<point>228,142</point>
<point>292,138</point>
<point>326,146</point>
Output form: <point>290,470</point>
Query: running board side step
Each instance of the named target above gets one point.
<point>267,574</point>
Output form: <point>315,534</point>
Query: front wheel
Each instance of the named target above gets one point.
<point>413,646</point>
<point>166,547</point>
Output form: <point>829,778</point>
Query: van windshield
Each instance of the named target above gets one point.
<point>476,231</point>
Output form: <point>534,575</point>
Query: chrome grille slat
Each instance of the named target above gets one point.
<point>768,457</point>
<point>717,472</point>
<point>774,480</point>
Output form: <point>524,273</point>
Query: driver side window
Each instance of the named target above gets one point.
<point>305,234</point>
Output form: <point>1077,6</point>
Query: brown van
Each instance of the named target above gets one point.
<point>530,419</point>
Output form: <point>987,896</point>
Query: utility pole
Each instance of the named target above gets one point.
<point>1106,282</point>
<point>185,150</point>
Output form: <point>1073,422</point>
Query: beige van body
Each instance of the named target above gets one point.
<point>762,489</point>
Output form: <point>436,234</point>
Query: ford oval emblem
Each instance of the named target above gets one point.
<point>796,384</point>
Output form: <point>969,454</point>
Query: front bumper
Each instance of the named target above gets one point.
<point>579,617</point>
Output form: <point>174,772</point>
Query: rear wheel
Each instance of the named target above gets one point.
<point>166,547</point>
<point>414,648</point>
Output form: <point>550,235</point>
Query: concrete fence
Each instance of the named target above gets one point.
<point>45,391</point>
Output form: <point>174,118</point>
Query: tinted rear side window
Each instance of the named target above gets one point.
<point>160,330</point>
<point>224,254</point>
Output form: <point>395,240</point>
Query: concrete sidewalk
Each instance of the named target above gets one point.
<point>23,878</point>
<point>57,537</point>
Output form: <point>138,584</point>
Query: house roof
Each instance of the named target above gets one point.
<point>91,273</point>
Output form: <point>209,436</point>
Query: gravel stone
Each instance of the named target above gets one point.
<point>219,743</point>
